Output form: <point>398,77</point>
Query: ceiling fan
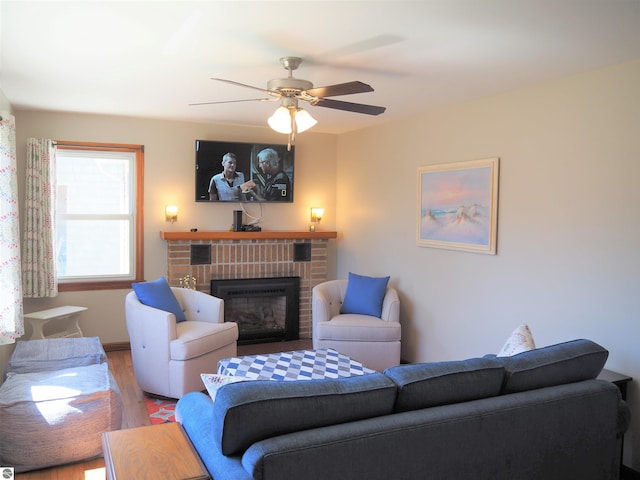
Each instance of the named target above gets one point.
<point>291,119</point>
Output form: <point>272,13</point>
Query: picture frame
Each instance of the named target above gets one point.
<point>458,206</point>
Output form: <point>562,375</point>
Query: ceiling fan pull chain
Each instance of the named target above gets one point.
<point>292,135</point>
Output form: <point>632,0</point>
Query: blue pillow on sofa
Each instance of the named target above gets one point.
<point>158,294</point>
<point>364,295</point>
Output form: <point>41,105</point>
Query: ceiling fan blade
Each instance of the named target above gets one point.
<point>349,107</point>
<point>268,92</point>
<point>236,101</point>
<point>340,89</point>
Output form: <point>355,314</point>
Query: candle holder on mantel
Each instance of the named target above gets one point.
<point>188,282</point>
<point>316,216</point>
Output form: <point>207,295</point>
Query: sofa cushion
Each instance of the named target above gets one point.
<point>158,294</point>
<point>566,362</point>
<point>247,412</point>
<point>358,328</point>
<point>519,341</point>
<point>199,338</point>
<point>55,354</point>
<point>364,295</point>
<point>427,385</point>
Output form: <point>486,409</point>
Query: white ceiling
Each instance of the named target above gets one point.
<point>153,58</point>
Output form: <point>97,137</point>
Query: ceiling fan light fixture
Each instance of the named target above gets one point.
<point>304,120</point>
<point>280,121</point>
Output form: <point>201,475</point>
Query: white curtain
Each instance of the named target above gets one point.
<point>11,320</point>
<point>39,277</point>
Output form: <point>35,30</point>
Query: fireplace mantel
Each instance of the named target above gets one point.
<point>263,235</point>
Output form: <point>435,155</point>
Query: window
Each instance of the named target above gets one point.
<point>99,215</point>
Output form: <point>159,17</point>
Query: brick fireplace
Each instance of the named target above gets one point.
<point>208,256</point>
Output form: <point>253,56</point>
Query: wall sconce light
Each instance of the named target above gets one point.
<point>316,216</point>
<point>171,213</point>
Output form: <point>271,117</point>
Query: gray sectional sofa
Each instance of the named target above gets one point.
<point>537,415</point>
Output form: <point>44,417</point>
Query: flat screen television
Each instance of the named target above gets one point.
<point>244,172</point>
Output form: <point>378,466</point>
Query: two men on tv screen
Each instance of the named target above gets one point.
<point>230,185</point>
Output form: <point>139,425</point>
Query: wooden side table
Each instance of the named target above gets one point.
<point>67,316</point>
<point>619,380</point>
<point>153,452</point>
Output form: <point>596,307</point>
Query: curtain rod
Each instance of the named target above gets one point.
<point>89,145</point>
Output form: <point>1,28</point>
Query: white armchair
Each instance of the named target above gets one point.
<point>168,356</point>
<point>372,341</point>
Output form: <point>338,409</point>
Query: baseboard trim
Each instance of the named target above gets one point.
<point>629,473</point>
<point>116,347</point>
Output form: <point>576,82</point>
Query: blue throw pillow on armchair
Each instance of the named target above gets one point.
<point>364,295</point>
<point>158,294</point>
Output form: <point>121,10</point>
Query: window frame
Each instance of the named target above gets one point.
<point>72,286</point>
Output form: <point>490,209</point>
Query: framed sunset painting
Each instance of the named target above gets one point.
<point>458,206</point>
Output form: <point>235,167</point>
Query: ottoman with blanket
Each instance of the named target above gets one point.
<point>57,400</point>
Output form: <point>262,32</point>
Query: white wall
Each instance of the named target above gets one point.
<point>568,231</point>
<point>169,178</point>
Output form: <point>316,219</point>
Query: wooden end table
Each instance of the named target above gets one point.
<point>153,452</point>
<point>620,380</point>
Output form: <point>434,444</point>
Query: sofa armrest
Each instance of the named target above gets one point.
<point>326,300</point>
<point>391,306</point>
<point>150,332</point>
<point>144,321</point>
<point>624,418</point>
<point>200,306</point>
<point>195,412</point>
<point>321,307</point>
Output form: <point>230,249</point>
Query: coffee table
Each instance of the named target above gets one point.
<point>295,365</point>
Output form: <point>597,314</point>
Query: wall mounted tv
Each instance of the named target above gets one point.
<point>244,172</point>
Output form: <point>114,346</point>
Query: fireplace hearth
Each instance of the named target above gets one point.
<point>265,309</point>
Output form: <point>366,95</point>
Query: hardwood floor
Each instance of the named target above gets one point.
<point>134,409</point>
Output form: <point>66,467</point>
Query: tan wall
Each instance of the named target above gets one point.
<point>568,227</point>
